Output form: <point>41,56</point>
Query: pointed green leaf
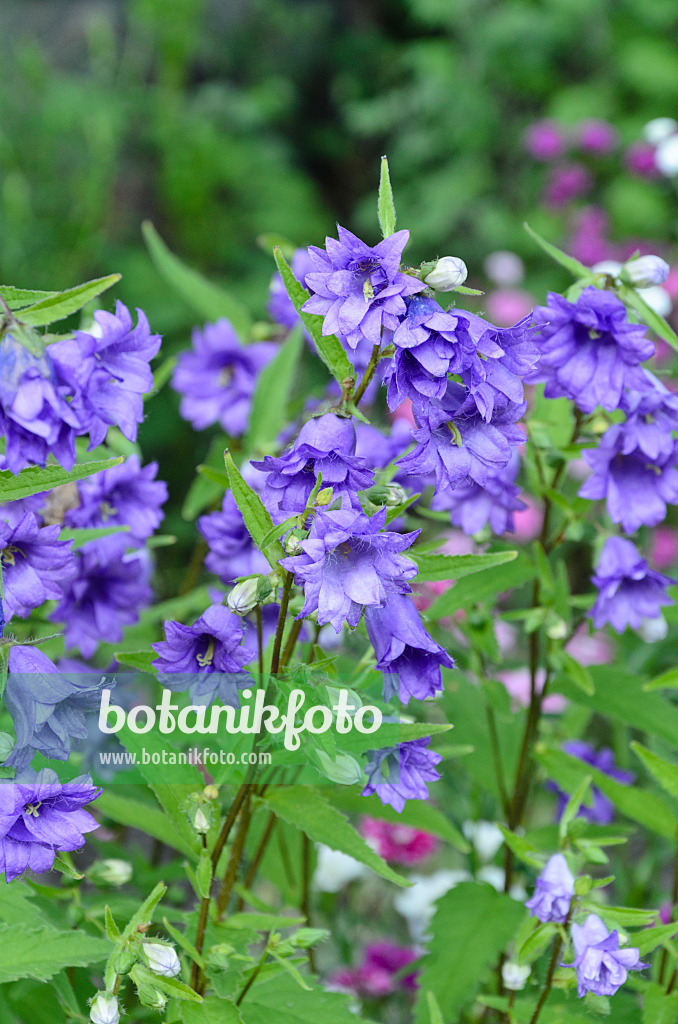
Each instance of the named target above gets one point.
<point>274,385</point>
<point>16,298</point>
<point>454,567</point>
<point>664,772</point>
<point>650,938</point>
<point>83,535</point>
<point>523,850</point>
<point>36,479</point>
<point>658,1007</point>
<point>666,681</point>
<point>569,262</point>
<point>144,914</point>
<point>148,819</point>
<point>257,518</point>
<point>385,204</point>
<point>482,586</point>
<point>416,813</point>
<point>648,316</point>
<point>206,298</point>
<point>61,305</point>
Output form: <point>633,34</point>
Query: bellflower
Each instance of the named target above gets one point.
<point>602,810</point>
<point>628,590</point>
<point>216,379</point>
<point>471,505</point>
<point>408,657</point>
<point>47,709</point>
<point>457,444</point>
<point>208,656</point>
<point>35,418</point>
<point>636,488</point>
<point>508,354</point>
<point>554,891</point>
<point>36,565</point>
<point>358,289</point>
<point>590,351</point>
<point>651,419</point>
<point>349,562</point>
<point>39,816</point>
<point>324,445</point>
<point>400,773</point>
<point>106,594</point>
<point>601,966</point>
<point>125,495</point>
<point>231,551</point>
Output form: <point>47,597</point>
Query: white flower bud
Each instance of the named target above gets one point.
<point>201,822</point>
<point>654,630</point>
<point>448,273</point>
<point>162,959</point>
<point>660,128</point>
<point>110,872</point>
<point>243,597</point>
<point>666,156</point>
<point>345,770</point>
<point>645,272</point>
<point>515,975</point>
<point>657,299</point>
<point>104,1009</point>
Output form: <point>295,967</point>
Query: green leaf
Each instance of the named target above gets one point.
<point>279,1000</point>
<point>536,942</point>
<point>257,517</point>
<point>472,926</point>
<point>650,938</point>
<point>482,587</point>
<point>572,806</point>
<point>306,808</point>
<point>274,385</point>
<point>433,568</point>
<point>658,1007</point>
<point>112,930</point>
<point>328,346</point>
<point>462,289</point>
<point>206,298</point>
<point>40,953</point>
<point>171,986</point>
<point>142,660</point>
<point>83,536</point>
<point>144,915</point>
<point>627,916</point>
<point>434,1014</point>
<point>145,817</point>
<point>16,298</point>
<point>664,772</point>
<point>666,681</point>
<point>61,305</point>
<point>653,320</point>
<point>36,479</point>
<point>182,941</point>
<point>569,262</point>
<point>523,850</point>
<point>212,1010</point>
<point>385,205</point>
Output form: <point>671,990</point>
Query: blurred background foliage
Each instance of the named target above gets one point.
<point>220,120</point>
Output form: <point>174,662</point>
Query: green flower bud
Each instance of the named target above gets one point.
<point>345,770</point>
<point>243,597</point>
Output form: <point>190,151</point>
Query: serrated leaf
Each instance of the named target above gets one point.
<point>306,808</point>
<point>212,1010</point>
<point>40,953</point>
<point>257,517</point>
<point>648,316</point>
<point>268,414</point>
<point>206,298</point>
<point>385,204</point>
<point>569,262</point>
<point>148,819</point>
<point>434,568</point>
<point>329,347</point>
<point>59,306</point>
<point>36,479</point>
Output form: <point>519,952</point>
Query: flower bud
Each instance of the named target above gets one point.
<point>515,975</point>
<point>104,1009</point>
<point>243,597</point>
<point>110,872</point>
<point>291,545</point>
<point>211,792</point>
<point>151,997</point>
<point>324,497</point>
<point>6,745</point>
<point>645,272</point>
<point>162,959</point>
<point>200,822</point>
<point>345,770</point>
<point>654,630</point>
<point>448,273</point>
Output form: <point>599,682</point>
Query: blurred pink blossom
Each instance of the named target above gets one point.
<point>507,306</point>
<point>596,136</point>
<point>398,843</point>
<point>639,159</point>
<point>376,976</point>
<point>664,549</point>
<point>545,140</point>
<point>590,649</point>
<point>404,412</point>
<point>527,521</point>
<point>565,183</point>
<point>517,682</point>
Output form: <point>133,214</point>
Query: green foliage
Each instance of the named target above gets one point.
<point>271,398</point>
<point>41,953</point>
<point>35,480</point>
<point>257,518</point>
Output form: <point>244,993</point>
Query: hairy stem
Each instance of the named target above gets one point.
<point>291,643</point>
<point>196,972</point>
<point>234,860</point>
<point>306,891</point>
<point>280,628</point>
<point>368,375</point>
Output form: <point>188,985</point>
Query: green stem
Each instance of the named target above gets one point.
<point>234,861</point>
<point>306,891</point>
<point>368,375</point>
<point>258,857</point>
<point>291,643</point>
<point>260,644</point>
<point>196,973</point>
<point>553,963</point>
<point>228,824</point>
<point>280,628</point>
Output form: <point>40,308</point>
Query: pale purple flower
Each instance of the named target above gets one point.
<point>231,550</point>
<point>598,137</point>
<point>348,562</point>
<point>628,590</point>
<point>640,160</point>
<point>207,658</point>
<point>410,660</point>
<point>217,378</point>
<point>380,973</point>
<point>397,774</point>
<point>473,505</point>
<point>36,565</point>
<point>601,966</point>
<point>357,289</point>
<point>602,810</point>
<point>508,354</point>
<point>565,183</point>
<point>40,816</point>
<point>553,892</point>
<point>545,140</point>
<point>590,351</point>
<point>325,445</point>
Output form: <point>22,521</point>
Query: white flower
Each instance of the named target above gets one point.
<point>504,268</point>
<point>610,267</point>
<point>654,630</point>
<point>515,975</point>
<point>659,129</point>
<point>334,870</point>
<point>448,273</point>
<point>104,1009</point>
<point>666,156</point>
<point>418,903</point>
<point>485,836</point>
<point>162,959</point>
<point>657,299</point>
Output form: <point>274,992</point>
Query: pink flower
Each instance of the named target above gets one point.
<point>507,306</point>
<point>517,682</point>
<point>398,843</point>
<point>545,140</point>
<point>597,136</point>
<point>376,976</point>
<point>567,182</point>
<point>527,521</point>
<point>404,412</point>
<point>664,550</point>
<point>639,159</point>
<point>596,649</point>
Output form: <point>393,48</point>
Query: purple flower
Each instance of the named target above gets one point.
<point>651,419</point>
<point>106,594</point>
<point>565,183</point>
<point>457,444</point>
<point>554,891</point>
<point>379,449</point>
<point>126,495</point>
<point>397,774</point>
<point>636,487</point>
<point>36,565</point>
<point>380,972</point>
<point>590,352</point>
<point>596,136</point>
<point>409,658</point>
<point>601,966</point>
<point>217,377</point>
<point>545,140</point>
<point>349,562</point>
<point>508,354</point>
<point>471,505</point>
<point>231,551</point>
<point>35,418</point>
<point>208,656</point>
<point>47,709</point>
<point>359,290</point>
<point>602,810</point>
<point>324,445</point>
<point>280,305</point>
<point>39,816</point>
<point>628,590</point>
